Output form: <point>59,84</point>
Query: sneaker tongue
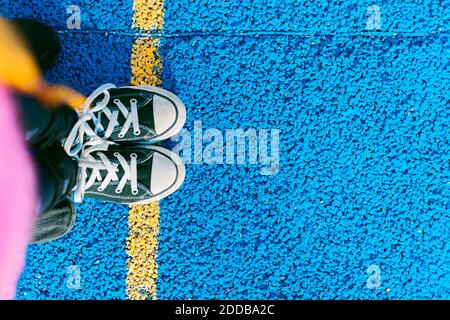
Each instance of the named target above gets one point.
<point>144,170</point>
<point>146,116</point>
<point>143,98</point>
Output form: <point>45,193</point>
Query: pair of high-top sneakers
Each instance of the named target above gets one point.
<point>114,142</point>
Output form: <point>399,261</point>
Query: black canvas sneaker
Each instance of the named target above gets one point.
<point>127,114</point>
<point>137,174</point>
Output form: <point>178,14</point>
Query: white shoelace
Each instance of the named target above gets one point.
<point>75,139</point>
<point>87,161</point>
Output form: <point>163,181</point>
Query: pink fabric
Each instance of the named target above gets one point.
<point>17,197</point>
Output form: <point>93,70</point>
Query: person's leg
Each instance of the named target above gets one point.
<point>43,127</point>
<point>57,174</point>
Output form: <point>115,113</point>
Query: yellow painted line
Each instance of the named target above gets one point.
<point>142,249</point>
<point>148,14</point>
<point>143,220</point>
<point>146,63</point>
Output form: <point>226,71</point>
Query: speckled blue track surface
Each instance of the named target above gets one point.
<point>364,175</point>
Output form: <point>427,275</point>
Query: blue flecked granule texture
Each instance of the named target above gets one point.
<point>88,263</point>
<point>305,17</point>
<point>95,14</point>
<point>363,179</point>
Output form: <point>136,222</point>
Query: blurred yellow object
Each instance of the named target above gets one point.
<point>19,71</point>
<point>17,66</point>
<point>53,95</point>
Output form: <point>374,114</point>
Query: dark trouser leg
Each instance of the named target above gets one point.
<point>43,127</point>
<point>57,174</point>
<point>56,171</point>
<point>44,131</point>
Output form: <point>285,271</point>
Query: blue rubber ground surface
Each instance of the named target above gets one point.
<point>364,174</point>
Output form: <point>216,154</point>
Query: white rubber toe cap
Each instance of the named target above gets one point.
<point>164,114</point>
<point>165,174</point>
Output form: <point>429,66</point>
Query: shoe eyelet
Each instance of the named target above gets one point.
<point>133,100</point>
<point>137,132</point>
<point>116,101</point>
<point>100,189</point>
<point>133,155</point>
<point>121,135</point>
<point>118,190</point>
<point>134,192</point>
<point>116,154</point>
